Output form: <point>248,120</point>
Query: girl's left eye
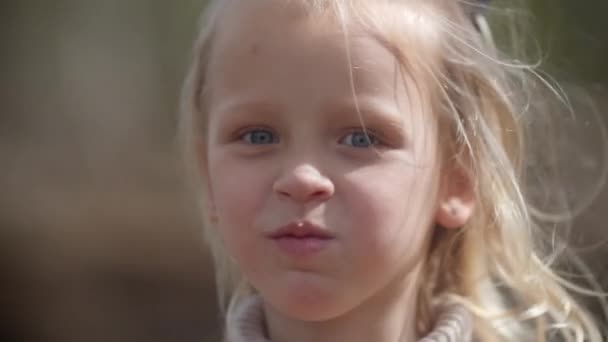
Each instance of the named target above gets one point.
<point>259,136</point>
<point>360,139</point>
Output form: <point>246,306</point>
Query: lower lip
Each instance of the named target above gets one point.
<point>304,246</point>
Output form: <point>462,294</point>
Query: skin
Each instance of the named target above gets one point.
<point>285,143</point>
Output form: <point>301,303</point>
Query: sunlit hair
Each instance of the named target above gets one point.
<point>500,264</point>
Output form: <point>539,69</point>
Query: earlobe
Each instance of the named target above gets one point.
<point>454,213</point>
<point>456,200</point>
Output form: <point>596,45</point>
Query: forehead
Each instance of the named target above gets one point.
<point>265,48</point>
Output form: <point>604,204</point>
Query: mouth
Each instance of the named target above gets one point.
<point>301,230</point>
<point>301,239</point>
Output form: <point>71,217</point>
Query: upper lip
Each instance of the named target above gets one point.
<point>301,229</point>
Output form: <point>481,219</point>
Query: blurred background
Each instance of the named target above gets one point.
<point>99,238</point>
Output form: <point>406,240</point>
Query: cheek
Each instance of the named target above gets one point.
<point>238,193</point>
<point>393,208</point>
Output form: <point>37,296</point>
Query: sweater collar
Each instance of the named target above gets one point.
<point>454,324</point>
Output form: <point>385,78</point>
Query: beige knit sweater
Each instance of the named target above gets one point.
<point>454,324</point>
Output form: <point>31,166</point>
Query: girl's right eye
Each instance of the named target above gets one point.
<point>360,139</point>
<point>259,136</point>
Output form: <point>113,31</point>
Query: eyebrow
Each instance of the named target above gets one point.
<point>368,108</point>
<point>373,111</point>
<point>240,105</point>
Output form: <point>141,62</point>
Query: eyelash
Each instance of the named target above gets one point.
<point>371,138</point>
<point>249,132</point>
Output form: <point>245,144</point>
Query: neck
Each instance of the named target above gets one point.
<point>388,316</point>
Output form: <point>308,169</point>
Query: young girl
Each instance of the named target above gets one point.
<point>361,168</point>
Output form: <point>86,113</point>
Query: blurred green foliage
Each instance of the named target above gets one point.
<point>569,37</point>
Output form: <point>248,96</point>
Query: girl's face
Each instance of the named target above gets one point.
<point>319,214</point>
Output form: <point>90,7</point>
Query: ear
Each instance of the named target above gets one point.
<point>203,172</point>
<point>456,200</point>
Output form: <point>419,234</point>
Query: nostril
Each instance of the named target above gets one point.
<point>324,191</point>
<point>319,193</point>
<point>304,195</point>
<point>284,193</point>
<point>303,191</point>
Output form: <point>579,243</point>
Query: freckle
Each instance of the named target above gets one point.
<point>254,50</point>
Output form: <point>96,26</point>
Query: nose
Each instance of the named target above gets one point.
<point>304,183</point>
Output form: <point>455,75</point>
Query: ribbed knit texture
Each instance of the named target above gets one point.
<point>454,324</point>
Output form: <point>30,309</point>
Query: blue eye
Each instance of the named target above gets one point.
<point>360,139</point>
<point>259,137</point>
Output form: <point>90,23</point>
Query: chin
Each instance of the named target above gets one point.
<point>310,305</point>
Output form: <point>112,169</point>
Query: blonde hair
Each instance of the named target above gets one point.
<point>498,264</point>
